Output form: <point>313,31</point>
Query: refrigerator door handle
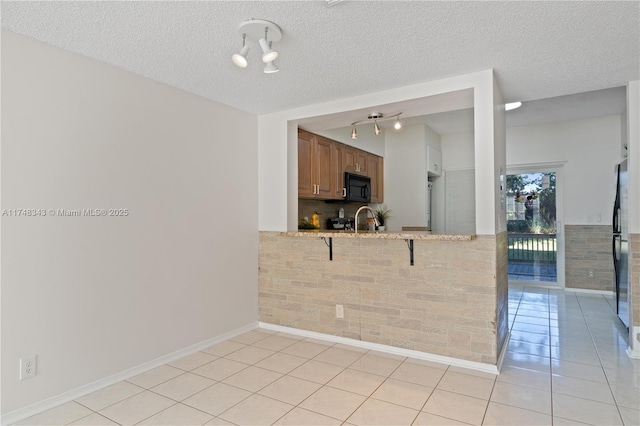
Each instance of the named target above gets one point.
<point>616,203</point>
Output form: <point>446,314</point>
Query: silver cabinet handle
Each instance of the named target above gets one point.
<point>315,190</point>
<point>344,192</point>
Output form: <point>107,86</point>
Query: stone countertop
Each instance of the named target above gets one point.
<point>380,235</point>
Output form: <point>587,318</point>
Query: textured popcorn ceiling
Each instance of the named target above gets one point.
<point>538,49</point>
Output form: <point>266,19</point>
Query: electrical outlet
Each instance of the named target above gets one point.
<point>591,273</point>
<point>27,367</point>
<point>339,311</point>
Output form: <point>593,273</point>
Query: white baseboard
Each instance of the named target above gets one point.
<point>503,351</point>
<point>478,366</point>
<point>521,284</point>
<point>587,291</point>
<point>534,284</point>
<point>73,394</point>
<point>633,351</point>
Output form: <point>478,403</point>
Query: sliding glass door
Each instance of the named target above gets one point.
<point>534,225</point>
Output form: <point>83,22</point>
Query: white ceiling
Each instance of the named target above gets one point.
<point>453,112</point>
<point>539,50</point>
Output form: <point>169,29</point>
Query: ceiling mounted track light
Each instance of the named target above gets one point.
<point>268,55</point>
<point>376,128</point>
<point>270,68</point>
<point>375,117</point>
<point>240,59</point>
<point>263,33</point>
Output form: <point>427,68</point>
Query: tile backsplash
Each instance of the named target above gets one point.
<point>588,247</point>
<point>306,208</point>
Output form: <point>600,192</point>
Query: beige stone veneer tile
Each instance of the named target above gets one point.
<point>445,304</point>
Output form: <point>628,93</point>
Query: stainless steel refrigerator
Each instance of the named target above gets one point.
<point>621,242</point>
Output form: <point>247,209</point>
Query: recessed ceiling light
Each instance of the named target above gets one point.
<point>512,105</point>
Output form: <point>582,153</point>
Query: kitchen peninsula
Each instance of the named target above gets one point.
<point>445,304</point>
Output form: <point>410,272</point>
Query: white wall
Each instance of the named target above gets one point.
<point>588,149</point>
<point>500,158</point>
<point>278,148</point>
<point>405,174</point>
<point>457,151</point>
<point>633,140</point>
<point>93,296</point>
<point>457,154</point>
<point>367,139</point>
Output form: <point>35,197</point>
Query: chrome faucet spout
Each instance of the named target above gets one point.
<point>372,214</point>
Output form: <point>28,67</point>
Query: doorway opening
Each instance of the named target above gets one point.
<point>535,237</point>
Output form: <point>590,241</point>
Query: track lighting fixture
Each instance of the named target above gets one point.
<point>240,59</point>
<point>271,67</point>
<point>264,33</point>
<point>375,116</point>
<point>268,55</point>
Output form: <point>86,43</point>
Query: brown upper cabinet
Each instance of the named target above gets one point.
<point>355,160</point>
<point>339,152</point>
<point>322,163</point>
<point>316,178</point>
<point>375,167</point>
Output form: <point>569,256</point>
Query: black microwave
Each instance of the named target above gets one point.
<point>358,188</point>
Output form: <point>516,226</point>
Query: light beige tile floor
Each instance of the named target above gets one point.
<point>565,365</point>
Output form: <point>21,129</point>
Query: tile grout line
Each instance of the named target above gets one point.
<point>550,355</point>
<point>600,360</point>
<point>256,393</point>
<point>327,384</point>
<point>322,385</point>
<point>585,307</point>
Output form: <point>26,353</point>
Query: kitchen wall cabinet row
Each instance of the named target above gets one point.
<point>322,163</point>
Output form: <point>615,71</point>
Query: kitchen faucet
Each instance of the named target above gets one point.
<point>372,213</point>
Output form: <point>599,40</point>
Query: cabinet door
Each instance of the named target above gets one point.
<point>350,158</point>
<point>338,170</point>
<point>375,170</point>
<point>305,165</point>
<point>355,160</point>
<point>361,162</point>
<point>324,173</point>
